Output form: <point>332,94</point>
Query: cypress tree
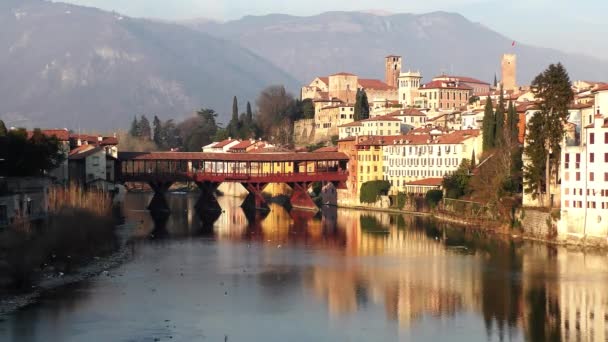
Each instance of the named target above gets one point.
<point>512,124</point>
<point>364,105</point>
<point>233,126</point>
<point>489,125</point>
<point>249,113</point>
<point>134,130</point>
<point>499,134</point>
<point>159,135</point>
<point>495,81</point>
<point>3,130</point>
<point>145,131</point>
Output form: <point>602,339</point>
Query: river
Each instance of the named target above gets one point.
<point>346,276</point>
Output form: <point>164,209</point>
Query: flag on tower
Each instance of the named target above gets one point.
<point>513,44</point>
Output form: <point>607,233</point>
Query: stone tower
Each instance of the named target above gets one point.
<point>409,82</point>
<point>393,69</point>
<point>509,71</point>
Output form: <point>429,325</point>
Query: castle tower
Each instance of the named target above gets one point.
<point>509,71</point>
<point>409,82</point>
<point>393,69</point>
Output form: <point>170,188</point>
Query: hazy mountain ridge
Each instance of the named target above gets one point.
<point>78,67</point>
<point>353,41</point>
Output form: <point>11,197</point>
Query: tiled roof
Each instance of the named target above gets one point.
<point>223,143</point>
<point>427,182</point>
<point>463,79</point>
<point>601,87</point>
<point>243,144</point>
<point>61,134</point>
<point>352,124</point>
<point>374,84</point>
<point>343,74</point>
<point>580,105</point>
<point>262,157</point>
<point>326,149</point>
<point>81,149</point>
<point>407,112</point>
<point>444,85</point>
<point>324,79</point>
<point>84,154</point>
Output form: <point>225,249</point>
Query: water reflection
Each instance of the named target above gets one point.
<point>400,277</point>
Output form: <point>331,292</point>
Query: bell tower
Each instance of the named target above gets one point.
<point>392,70</point>
<point>509,71</point>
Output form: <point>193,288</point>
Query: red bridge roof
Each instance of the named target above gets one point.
<point>254,157</point>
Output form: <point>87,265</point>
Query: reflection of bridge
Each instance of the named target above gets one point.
<point>253,170</point>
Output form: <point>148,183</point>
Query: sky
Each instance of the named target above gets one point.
<point>573,26</point>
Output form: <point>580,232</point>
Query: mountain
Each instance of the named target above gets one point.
<point>68,66</point>
<point>357,42</point>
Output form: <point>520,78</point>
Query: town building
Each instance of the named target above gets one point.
<point>392,70</point>
<point>427,154</point>
<point>221,146</point>
<point>445,95</point>
<point>23,200</point>
<point>380,125</point>
<point>584,178</point>
<point>409,83</point>
<point>509,71</point>
<point>92,166</point>
<point>478,87</point>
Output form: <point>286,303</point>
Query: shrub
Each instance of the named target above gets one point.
<point>433,197</point>
<point>401,200</point>
<point>371,190</point>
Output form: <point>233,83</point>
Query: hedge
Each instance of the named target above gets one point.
<point>371,190</point>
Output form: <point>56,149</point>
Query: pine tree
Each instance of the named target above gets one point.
<point>546,128</point>
<point>489,125</point>
<point>134,130</point>
<point>512,125</point>
<point>145,131</point>
<point>499,134</point>
<point>3,130</point>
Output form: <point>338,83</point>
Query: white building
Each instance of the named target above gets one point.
<point>414,156</point>
<point>386,125</point>
<point>222,146</point>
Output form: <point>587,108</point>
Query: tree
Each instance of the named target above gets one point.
<point>159,133</point>
<point>199,130</point>
<point>145,131</point>
<point>3,130</point>
<point>495,81</point>
<point>456,185</point>
<point>361,106</point>
<point>546,128</point>
<point>499,119</point>
<point>134,131</point>
<point>488,128</point>
<point>276,108</point>
<point>23,157</point>
<point>249,113</point>
<point>233,125</point>
<point>512,128</point>
<point>308,109</point>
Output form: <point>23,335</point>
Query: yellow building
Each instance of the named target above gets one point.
<point>369,158</point>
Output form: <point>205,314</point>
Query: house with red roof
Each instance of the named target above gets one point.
<point>478,87</point>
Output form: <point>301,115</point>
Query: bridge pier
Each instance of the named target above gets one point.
<point>207,200</point>
<point>255,199</point>
<point>300,199</point>
<point>159,201</point>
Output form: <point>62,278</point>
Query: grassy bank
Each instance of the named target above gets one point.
<point>79,227</point>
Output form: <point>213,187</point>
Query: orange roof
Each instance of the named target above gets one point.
<point>343,74</point>
<point>80,149</point>
<point>223,143</point>
<point>352,124</point>
<point>243,144</point>
<point>61,134</point>
<point>427,182</point>
<point>374,84</point>
<point>326,149</point>
<point>444,85</point>
<point>463,79</point>
<point>408,112</point>
<point>211,156</point>
<point>324,79</point>
<point>382,118</point>
<point>601,87</point>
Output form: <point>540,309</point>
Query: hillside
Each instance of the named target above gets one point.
<point>356,42</point>
<point>82,68</point>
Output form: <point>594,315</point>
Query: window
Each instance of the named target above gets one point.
<point>578,160</point>
<point>591,157</point>
<point>605,176</point>
<point>567,161</point>
<point>591,176</point>
<point>591,138</point>
<point>566,204</point>
<point>578,176</point>
<point>606,138</point>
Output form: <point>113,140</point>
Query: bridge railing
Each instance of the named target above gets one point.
<point>239,175</point>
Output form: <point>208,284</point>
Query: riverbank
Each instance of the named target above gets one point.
<point>98,266</point>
